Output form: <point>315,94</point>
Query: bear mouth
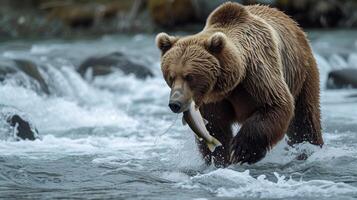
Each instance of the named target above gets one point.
<point>179,107</point>
<point>179,102</point>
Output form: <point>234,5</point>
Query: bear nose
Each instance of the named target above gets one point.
<point>175,106</point>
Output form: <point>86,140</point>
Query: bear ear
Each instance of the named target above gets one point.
<point>164,41</point>
<point>216,42</point>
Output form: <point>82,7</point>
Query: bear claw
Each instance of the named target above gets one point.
<point>247,151</point>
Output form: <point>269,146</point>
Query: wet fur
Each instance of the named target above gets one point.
<point>253,66</point>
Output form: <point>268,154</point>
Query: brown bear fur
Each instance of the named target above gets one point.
<point>250,65</point>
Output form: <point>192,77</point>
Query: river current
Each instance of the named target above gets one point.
<point>115,137</point>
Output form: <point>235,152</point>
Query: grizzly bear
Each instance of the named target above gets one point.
<point>252,66</point>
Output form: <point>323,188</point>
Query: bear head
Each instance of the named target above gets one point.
<point>193,67</point>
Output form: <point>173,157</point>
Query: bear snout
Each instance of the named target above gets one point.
<point>175,106</point>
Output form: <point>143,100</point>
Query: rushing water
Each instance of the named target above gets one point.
<point>114,136</point>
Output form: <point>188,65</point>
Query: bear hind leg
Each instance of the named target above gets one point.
<point>306,124</point>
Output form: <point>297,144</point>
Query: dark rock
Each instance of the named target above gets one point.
<point>24,130</point>
<point>104,65</point>
<point>15,125</point>
<point>8,66</point>
<point>343,78</point>
<point>302,156</point>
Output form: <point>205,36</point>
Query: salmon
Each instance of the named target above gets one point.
<point>195,121</point>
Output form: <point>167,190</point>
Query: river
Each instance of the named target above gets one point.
<point>115,137</point>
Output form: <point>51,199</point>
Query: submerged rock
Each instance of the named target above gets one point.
<point>14,125</point>
<point>103,65</point>
<point>343,78</point>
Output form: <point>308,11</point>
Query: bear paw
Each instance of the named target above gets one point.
<point>247,149</point>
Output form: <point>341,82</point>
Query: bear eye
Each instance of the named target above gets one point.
<point>170,79</point>
<point>188,78</point>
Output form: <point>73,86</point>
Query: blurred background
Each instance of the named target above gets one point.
<point>84,115</point>
<point>53,18</point>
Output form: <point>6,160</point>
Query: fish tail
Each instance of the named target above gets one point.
<point>213,144</point>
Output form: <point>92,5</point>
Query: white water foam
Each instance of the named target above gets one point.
<point>241,184</point>
<point>56,113</point>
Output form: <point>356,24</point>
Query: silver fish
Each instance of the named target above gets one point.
<point>194,119</point>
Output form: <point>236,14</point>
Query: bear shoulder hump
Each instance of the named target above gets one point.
<point>228,13</point>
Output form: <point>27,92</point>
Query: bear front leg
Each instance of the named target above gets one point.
<point>220,118</point>
<point>259,133</point>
